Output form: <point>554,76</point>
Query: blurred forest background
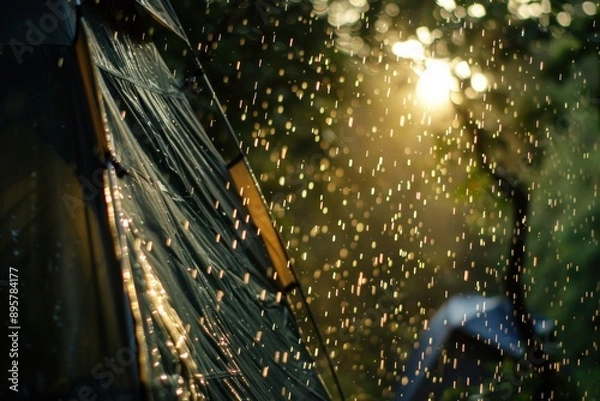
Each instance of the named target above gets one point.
<point>357,117</point>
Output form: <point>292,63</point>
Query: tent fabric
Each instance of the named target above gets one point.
<point>54,234</point>
<point>155,285</point>
<point>27,24</point>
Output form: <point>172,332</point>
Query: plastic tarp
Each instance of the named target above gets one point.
<point>162,11</point>
<point>154,285</point>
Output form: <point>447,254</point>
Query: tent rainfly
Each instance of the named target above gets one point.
<point>137,270</point>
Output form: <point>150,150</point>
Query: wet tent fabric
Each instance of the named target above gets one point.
<point>54,232</point>
<point>162,270</point>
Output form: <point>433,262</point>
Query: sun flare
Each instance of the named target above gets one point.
<point>435,83</point>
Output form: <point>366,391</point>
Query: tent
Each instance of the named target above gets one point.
<point>138,264</point>
<point>464,336</point>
